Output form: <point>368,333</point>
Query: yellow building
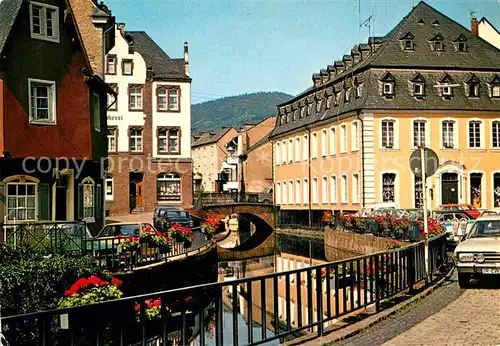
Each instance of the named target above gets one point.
<point>345,143</point>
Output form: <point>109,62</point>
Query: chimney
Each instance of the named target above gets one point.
<point>474,26</point>
<point>186,59</point>
<point>121,27</point>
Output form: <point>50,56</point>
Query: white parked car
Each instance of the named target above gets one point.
<point>478,254</point>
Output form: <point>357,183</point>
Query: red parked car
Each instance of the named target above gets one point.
<point>467,208</point>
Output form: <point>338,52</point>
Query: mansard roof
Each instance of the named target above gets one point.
<point>162,65</point>
<point>8,14</point>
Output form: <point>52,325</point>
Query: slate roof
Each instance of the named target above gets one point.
<point>260,142</point>
<point>8,14</point>
<point>163,66</point>
<point>421,23</point>
<point>209,137</point>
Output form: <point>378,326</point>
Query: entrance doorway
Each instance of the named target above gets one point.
<point>136,191</point>
<point>449,188</point>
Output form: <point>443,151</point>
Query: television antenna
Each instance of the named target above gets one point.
<point>367,23</point>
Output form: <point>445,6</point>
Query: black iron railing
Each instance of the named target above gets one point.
<point>249,311</point>
<point>61,236</point>
<point>232,198</point>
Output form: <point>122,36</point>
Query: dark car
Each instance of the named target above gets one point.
<point>158,214</point>
<point>172,216</point>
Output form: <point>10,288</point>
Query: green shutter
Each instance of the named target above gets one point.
<point>80,201</point>
<point>98,203</point>
<point>43,202</point>
<point>3,202</point>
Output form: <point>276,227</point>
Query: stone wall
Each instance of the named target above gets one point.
<point>355,243</point>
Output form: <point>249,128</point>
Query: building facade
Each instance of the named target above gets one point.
<point>53,125</point>
<point>149,125</point>
<point>486,31</point>
<point>345,143</point>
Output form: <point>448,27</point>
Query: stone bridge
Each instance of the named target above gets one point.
<point>255,212</point>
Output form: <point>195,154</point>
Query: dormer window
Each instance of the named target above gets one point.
<point>347,95</point>
<point>460,43</point>
<point>388,88</point>
<point>446,84</point>
<point>495,87</point>
<point>310,109</point>
<point>357,89</point>
<point>303,111</point>
<point>447,91</point>
<point>438,46</point>
<point>437,43</point>
<point>418,86</point>
<point>329,100</point>
<point>462,47</point>
<point>318,106</point>
<point>388,82</point>
<point>472,86</point>
<point>407,41</point>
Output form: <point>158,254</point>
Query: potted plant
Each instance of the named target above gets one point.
<point>148,237</point>
<point>90,290</point>
<point>128,243</point>
<point>181,234</point>
<point>209,226</point>
<point>163,242</point>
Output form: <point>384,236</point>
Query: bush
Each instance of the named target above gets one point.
<point>33,280</point>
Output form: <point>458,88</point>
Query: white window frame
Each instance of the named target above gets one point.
<point>305,148</point>
<point>355,188</point>
<point>343,138</point>
<point>277,154</point>
<point>389,90</point>
<point>481,134</point>
<point>297,149</point>
<point>495,91</point>
<point>324,190</point>
<point>395,129</point>
<point>283,152</point>
<point>284,193</point>
<point>291,192</point>
<point>278,193</point>
<point>446,90</point>
<point>43,22</point>
<point>114,64</point>
<point>324,143</point>
<point>315,199</point>
<point>426,131</point>
<point>333,189</point>
<point>290,150</point>
<point>305,187</point>
<point>344,189</point>
<point>298,192</point>
<point>137,139</point>
<point>86,207</point>
<point>112,140</point>
<point>161,93</point>
<point>162,137</point>
<point>173,106</point>
<point>493,122</point>
<point>314,145</point>
<point>109,196</point>
<point>355,135</point>
<point>166,196</point>
<point>17,198</point>
<point>52,104</point>
<point>421,92</point>
<point>333,140</point>
<point>455,133</point>
<point>138,105</point>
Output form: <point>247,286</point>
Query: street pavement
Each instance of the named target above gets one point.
<point>139,217</point>
<point>448,316</point>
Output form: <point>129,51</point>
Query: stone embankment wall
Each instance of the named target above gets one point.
<point>355,243</point>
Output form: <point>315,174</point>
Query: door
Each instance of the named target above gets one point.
<point>133,192</point>
<point>449,188</point>
<point>138,194</point>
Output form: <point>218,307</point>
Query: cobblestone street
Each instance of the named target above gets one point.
<point>449,316</point>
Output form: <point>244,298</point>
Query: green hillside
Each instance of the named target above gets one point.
<point>235,110</point>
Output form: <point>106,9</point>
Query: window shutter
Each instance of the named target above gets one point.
<point>98,203</point>
<point>44,202</point>
<point>80,201</point>
<point>3,201</point>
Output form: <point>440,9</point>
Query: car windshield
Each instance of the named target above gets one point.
<point>485,228</point>
<point>175,214</point>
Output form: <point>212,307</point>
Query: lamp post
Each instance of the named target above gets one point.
<point>424,207</point>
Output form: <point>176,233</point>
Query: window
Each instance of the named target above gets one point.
<point>495,91</point>
<point>354,136</point>
<point>44,22</point>
<point>277,155</point>
<point>136,140</point>
<point>290,192</point>
<point>135,97</point>
<point>314,145</point>
<point>42,101</point>
<point>168,187</point>
<point>388,187</point>
<point>388,134</point>
<point>357,90</point>
<point>161,99</point>
<point>315,191</point>
<point>343,190</point>
<point>310,109</point>
<point>111,61</point>
<point>318,105</point>
<point>447,134</point>
<point>283,152</point>
<point>173,99</point>
<point>127,67</point>
<point>388,88</point>
<point>438,46</point>
<point>324,145</point>
<point>495,134</point>
<point>298,192</point>
<point>496,190</point>
<point>476,180</point>
<point>284,190</point>
<point>112,100</point>
<point>297,149</point>
<point>343,138</point>
<point>96,103</point>
<point>306,191</point>
<point>355,188</point>
<point>173,141</point>
<point>418,133</point>
<point>112,139</point>
<point>418,192</point>
<point>473,89</point>
<point>109,188</point>
<point>278,193</point>
<point>324,190</point>
<point>303,111</point>
<point>408,44</point>
<point>347,95</point>
<point>418,89</point>
<point>329,100</point>
<point>333,140</point>
<point>290,150</point>
<point>462,47</point>
<point>447,91</point>
<point>305,148</point>
<point>475,134</point>
<point>21,201</point>
<point>333,189</point>
<point>162,140</point>
<point>88,193</point>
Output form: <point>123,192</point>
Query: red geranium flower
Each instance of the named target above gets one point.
<point>187,299</point>
<point>94,280</point>
<point>116,281</point>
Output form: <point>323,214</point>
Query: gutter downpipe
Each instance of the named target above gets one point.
<point>308,128</point>
<point>358,115</point>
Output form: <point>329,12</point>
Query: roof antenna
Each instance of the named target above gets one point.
<point>472,14</point>
<point>367,23</point>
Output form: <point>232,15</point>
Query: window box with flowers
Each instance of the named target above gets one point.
<point>181,234</point>
<point>90,290</point>
<point>209,226</point>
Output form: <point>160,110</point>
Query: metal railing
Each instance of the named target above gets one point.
<point>111,255</point>
<point>61,236</point>
<point>362,225</point>
<point>275,306</point>
<point>232,198</point>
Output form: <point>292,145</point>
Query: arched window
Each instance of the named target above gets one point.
<point>22,199</point>
<point>168,187</point>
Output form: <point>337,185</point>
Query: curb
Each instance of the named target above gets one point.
<point>356,328</point>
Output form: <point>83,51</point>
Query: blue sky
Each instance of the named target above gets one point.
<point>240,47</point>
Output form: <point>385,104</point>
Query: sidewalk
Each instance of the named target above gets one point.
<point>140,217</point>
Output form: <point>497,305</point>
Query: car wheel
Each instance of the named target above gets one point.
<point>464,280</point>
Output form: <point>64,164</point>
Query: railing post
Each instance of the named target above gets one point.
<point>319,294</point>
<point>411,267</point>
<point>377,284</point>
